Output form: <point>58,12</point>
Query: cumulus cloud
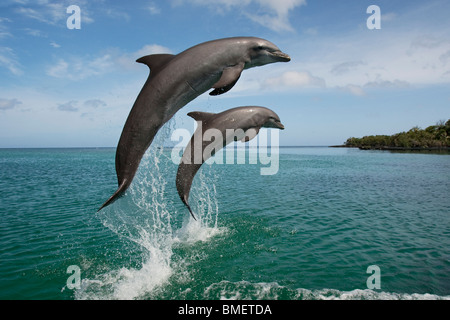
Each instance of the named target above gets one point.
<point>78,68</point>
<point>277,16</point>
<point>401,59</point>
<point>295,79</point>
<point>52,12</point>
<point>346,67</point>
<point>151,49</point>
<point>273,14</point>
<point>68,106</point>
<point>95,103</point>
<point>127,60</point>
<point>6,104</point>
<point>387,84</point>
<point>59,70</point>
<point>354,90</point>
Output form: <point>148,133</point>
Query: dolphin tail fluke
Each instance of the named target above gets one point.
<point>192,214</point>
<point>188,206</point>
<point>119,192</point>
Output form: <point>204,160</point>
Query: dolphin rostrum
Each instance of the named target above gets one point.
<point>241,123</point>
<point>174,81</point>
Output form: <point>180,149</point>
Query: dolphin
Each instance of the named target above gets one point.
<point>241,123</point>
<point>174,81</point>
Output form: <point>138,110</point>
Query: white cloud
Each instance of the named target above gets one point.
<point>59,70</point>
<point>153,8</point>
<point>354,90</point>
<point>346,67</point>
<point>9,61</point>
<point>296,79</point>
<point>52,12</point>
<point>273,14</point>
<point>4,33</point>
<point>49,13</point>
<point>388,84</point>
<point>68,106</point>
<point>364,60</point>
<point>116,14</point>
<point>127,60</point>
<point>78,68</point>
<point>35,32</point>
<point>55,45</point>
<point>151,49</point>
<point>94,103</point>
<point>277,16</point>
<point>6,104</point>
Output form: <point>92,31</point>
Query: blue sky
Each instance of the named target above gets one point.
<point>63,87</point>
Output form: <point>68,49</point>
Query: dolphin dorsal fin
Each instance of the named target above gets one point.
<point>156,61</point>
<point>200,116</point>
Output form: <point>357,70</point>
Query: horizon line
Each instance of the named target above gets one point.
<point>172,147</point>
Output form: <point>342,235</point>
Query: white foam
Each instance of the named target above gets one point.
<point>144,217</point>
<point>244,290</point>
<point>195,231</point>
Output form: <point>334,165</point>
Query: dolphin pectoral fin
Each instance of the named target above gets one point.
<point>222,90</point>
<point>230,76</point>
<point>250,134</point>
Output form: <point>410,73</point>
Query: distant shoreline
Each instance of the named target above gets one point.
<point>386,148</point>
<point>435,138</point>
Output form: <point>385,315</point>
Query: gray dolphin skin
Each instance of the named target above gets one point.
<point>241,123</point>
<point>174,81</point>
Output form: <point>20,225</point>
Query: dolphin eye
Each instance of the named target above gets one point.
<point>259,48</point>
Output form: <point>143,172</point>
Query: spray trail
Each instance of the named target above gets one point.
<point>147,216</point>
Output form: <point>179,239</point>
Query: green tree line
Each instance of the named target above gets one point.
<point>433,137</point>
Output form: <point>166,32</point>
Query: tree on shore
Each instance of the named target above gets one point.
<point>434,137</point>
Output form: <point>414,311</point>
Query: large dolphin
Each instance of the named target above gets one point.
<point>241,123</point>
<point>174,81</point>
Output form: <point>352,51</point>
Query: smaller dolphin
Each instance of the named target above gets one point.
<point>241,123</point>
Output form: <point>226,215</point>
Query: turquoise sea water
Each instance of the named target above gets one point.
<point>308,232</point>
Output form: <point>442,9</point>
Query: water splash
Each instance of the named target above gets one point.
<point>244,290</point>
<point>147,216</point>
<point>205,206</point>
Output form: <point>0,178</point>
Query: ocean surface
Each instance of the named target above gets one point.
<point>332,223</point>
